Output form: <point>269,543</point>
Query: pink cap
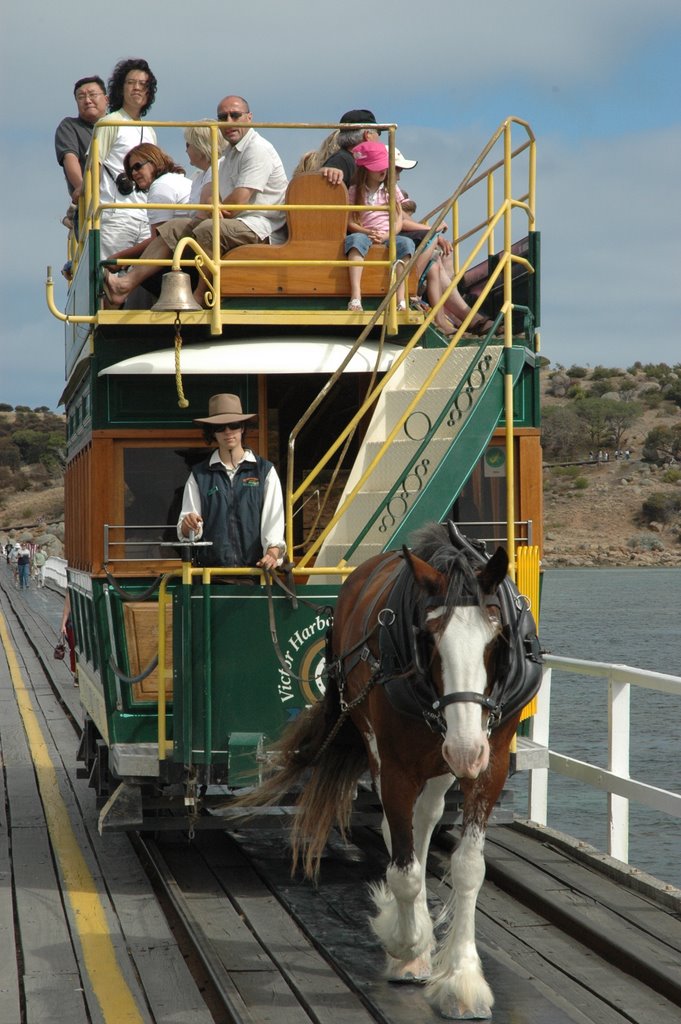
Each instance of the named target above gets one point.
<point>372,155</point>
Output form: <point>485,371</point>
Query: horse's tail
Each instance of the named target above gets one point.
<point>327,767</point>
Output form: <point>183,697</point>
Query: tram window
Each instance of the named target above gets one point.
<point>153,482</point>
<point>481,505</point>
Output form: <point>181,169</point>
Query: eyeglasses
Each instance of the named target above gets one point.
<point>228,426</point>
<point>231,115</point>
<point>95,94</point>
<point>138,165</point>
<point>142,83</point>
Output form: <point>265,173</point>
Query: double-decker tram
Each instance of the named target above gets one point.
<point>376,421</point>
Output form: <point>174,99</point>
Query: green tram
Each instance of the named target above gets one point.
<point>375,420</point>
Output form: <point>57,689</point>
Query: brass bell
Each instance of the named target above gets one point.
<point>176,294</point>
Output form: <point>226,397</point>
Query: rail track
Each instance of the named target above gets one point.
<point>561,940</point>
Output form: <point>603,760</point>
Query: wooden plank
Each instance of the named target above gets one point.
<point>45,937</point>
<point>50,998</point>
<point>325,996</point>
<point>596,989</point>
<point>9,982</point>
<point>335,914</point>
<point>604,931</point>
<point>658,932</point>
<point>145,958</point>
<point>633,906</point>
<point>250,978</point>
<point>146,949</point>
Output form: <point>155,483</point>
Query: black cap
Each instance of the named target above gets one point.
<point>358,117</point>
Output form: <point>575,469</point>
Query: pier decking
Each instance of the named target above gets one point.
<point>86,938</point>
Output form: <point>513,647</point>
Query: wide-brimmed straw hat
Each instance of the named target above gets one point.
<point>225,409</point>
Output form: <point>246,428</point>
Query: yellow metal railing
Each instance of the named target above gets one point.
<point>484,229</point>
<point>528,581</point>
<point>478,238</point>
<point>208,265</point>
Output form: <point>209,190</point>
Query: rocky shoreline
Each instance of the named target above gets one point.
<point>601,525</point>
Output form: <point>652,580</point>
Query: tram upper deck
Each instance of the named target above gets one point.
<point>375,419</point>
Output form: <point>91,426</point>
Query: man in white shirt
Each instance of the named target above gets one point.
<point>251,174</point>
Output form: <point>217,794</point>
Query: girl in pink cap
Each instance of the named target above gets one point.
<point>368,227</point>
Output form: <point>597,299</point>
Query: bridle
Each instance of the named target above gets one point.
<point>433,714</point>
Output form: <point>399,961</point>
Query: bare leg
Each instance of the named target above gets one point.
<point>455,310</point>
<point>119,286</point>
<point>355,274</point>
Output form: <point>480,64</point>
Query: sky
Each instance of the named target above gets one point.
<point>599,83</point>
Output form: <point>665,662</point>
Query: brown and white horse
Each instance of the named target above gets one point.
<point>449,652</point>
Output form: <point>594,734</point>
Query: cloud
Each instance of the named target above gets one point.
<point>596,81</point>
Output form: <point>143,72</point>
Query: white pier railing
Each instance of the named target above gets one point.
<point>615,780</point>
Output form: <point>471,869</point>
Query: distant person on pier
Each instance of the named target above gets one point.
<point>39,559</point>
<point>23,566</point>
<point>233,498</point>
<point>74,134</point>
<point>66,632</point>
<point>251,174</point>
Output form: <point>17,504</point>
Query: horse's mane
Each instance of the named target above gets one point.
<point>433,544</point>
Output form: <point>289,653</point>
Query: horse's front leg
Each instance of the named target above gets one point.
<point>402,922</point>
<point>457,987</point>
<point>428,810</point>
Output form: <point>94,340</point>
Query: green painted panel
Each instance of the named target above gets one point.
<point>226,665</point>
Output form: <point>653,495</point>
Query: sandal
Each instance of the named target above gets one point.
<point>110,300</point>
<point>402,307</point>
<point>355,306</point>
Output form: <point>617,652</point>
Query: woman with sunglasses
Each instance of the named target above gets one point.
<point>233,498</point>
<point>157,179</point>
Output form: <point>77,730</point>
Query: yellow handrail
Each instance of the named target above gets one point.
<point>525,204</point>
<point>91,209</point>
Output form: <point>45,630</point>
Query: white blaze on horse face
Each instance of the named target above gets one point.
<point>461,646</point>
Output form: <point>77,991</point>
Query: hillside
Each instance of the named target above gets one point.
<point>599,522</point>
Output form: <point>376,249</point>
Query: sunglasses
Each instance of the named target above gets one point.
<point>138,165</point>
<point>227,426</point>
<point>231,115</point>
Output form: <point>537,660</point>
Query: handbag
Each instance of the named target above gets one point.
<point>60,651</point>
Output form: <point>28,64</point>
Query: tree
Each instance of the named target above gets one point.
<point>620,418</point>
<point>562,433</point>
<point>607,419</point>
<point>663,444</point>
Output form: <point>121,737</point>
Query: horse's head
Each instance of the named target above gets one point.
<point>464,625</point>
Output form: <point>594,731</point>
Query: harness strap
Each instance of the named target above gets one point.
<point>468,697</point>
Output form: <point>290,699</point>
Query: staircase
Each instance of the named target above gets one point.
<point>443,430</point>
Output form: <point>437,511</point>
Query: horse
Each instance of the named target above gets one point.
<point>419,666</point>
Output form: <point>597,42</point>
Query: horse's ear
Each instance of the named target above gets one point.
<point>428,578</point>
<point>493,572</point>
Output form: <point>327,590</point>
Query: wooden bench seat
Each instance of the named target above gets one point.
<point>312,234</point>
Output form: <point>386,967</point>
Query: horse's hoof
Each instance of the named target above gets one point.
<point>456,1013</point>
<point>414,972</point>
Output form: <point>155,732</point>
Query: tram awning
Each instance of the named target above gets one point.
<point>264,355</point>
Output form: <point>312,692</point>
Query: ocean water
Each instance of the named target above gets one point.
<point>631,617</point>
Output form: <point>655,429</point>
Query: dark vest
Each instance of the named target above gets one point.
<point>231,512</point>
